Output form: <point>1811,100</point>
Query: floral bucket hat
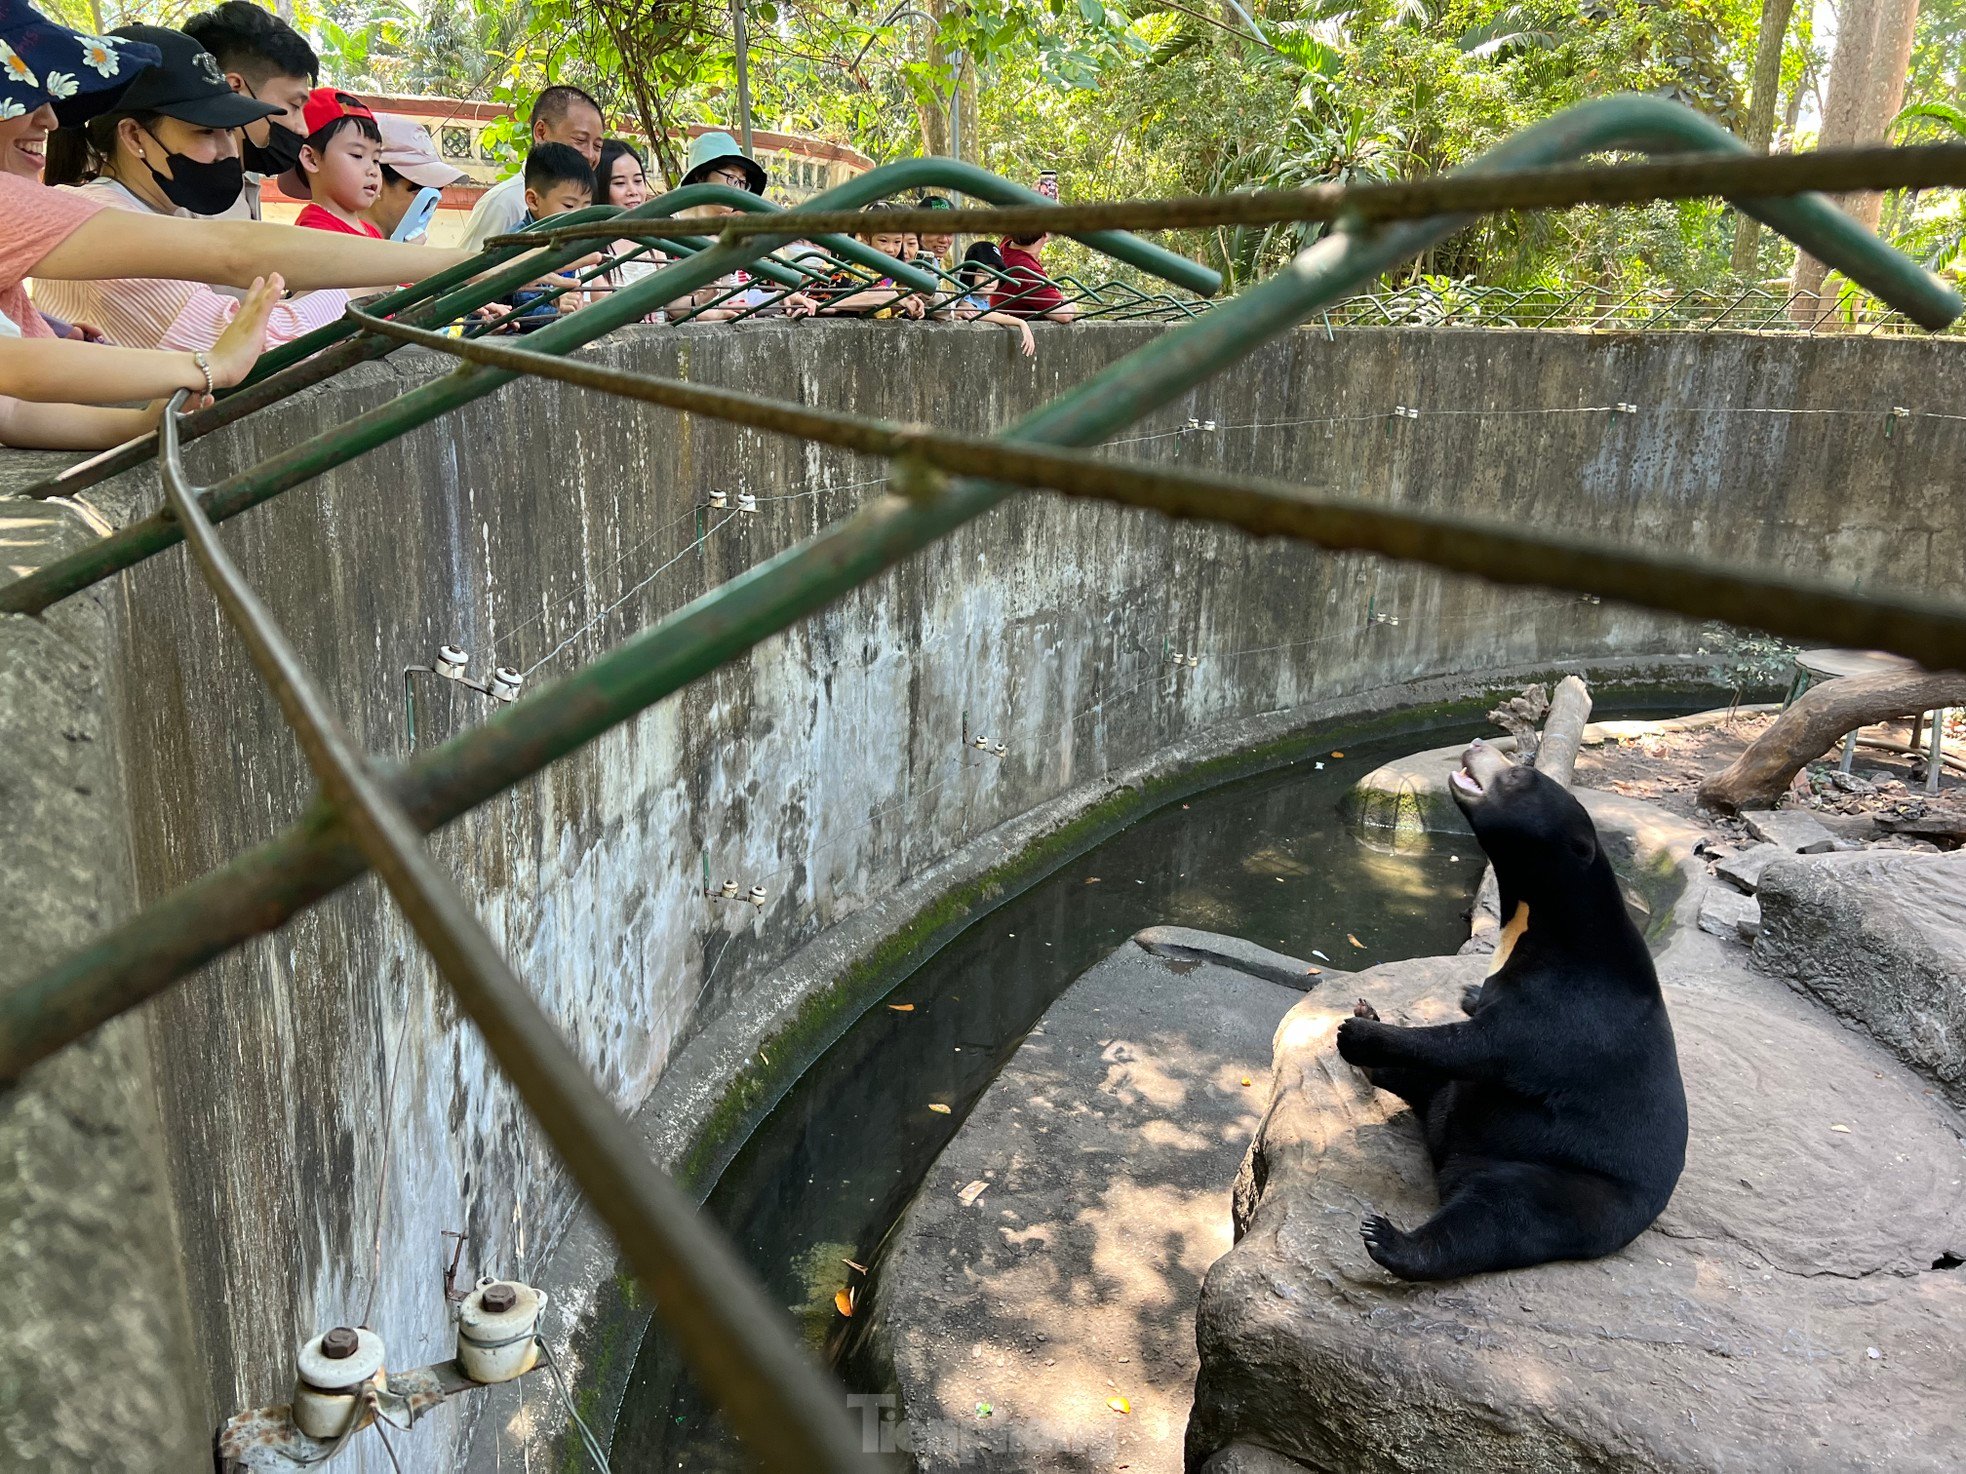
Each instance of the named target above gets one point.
<point>44,61</point>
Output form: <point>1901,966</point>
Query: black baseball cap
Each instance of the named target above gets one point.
<point>187,84</point>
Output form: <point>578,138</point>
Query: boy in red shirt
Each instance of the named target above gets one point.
<point>1027,291</point>
<point>340,163</point>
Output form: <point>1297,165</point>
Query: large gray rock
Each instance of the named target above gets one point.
<point>1729,914</point>
<point>1792,829</point>
<point>1249,1458</point>
<point>1784,1314</point>
<point>1052,1260</point>
<point>1744,871</point>
<point>1879,936</point>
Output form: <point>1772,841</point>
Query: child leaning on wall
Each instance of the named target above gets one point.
<point>844,295</point>
<point>558,182</point>
<point>1028,292</point>
<point>938,249</point>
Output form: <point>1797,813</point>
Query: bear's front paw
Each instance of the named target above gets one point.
<point>1358,1041</point>
<point>1471,999</point>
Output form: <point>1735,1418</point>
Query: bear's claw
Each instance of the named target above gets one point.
<point>1383,1242</point>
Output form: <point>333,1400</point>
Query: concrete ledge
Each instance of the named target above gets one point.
<point>1035,1306</point>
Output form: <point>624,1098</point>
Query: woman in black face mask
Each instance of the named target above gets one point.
<point>169,147</point>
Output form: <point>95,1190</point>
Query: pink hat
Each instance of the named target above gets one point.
<point>406,148</point>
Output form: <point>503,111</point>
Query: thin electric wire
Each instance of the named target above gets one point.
<point>386,1448</point>
<point>658,571</point>
<point>382,1169</point>
<point>594,1449</point>
<point>573,585</point>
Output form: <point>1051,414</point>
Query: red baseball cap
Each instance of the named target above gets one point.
<point>325,104</point>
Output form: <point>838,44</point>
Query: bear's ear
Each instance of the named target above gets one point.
<point>1582,847</point>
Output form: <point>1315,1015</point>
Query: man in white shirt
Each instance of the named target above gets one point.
<point>559,115</point>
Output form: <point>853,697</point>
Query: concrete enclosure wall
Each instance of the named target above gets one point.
<point>542,525</point>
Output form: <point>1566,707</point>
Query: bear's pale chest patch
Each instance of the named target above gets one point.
<point>1511,934</point>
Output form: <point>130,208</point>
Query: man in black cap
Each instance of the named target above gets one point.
<point>267,60</point>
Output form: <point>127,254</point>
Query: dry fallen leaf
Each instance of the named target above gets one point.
<point>1355,941</point>
<point>1844,1129</point>
<point>843,1300</point>
<point>939,1108</point>
<point>1119,1404</point>
<point>1092,880</point>
<point>850,1264</point>
<point>1246,1080</point>
<point>902,1007</point>
<point>1337,754</point>
<point>1313,972</point>
<point>968,1196</point>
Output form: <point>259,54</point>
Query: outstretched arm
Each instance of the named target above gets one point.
<point>121,243</point>
<point>59,371</point>
<point>28,426</point>
<point>52,369</point>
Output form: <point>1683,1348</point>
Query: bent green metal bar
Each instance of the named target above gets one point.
<point>332,448</point>
<point>262,888</point>
<point>736,1340</point>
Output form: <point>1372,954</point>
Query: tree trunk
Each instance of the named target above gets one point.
<point>969,111</point>
<point>1866,89</point>
<point>1821,715</point>
<point>934,115</point>
<point>1761,113</point>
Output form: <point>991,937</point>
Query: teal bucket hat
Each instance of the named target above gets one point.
<point>708,151</point>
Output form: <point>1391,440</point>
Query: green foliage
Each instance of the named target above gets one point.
<point>1126,98</point>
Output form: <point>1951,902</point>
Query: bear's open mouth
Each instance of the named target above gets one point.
<point>1480,766</point>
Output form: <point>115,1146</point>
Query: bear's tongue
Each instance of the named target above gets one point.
<point>1465,781</point>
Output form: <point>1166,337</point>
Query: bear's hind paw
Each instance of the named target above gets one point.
<point>1385,1244</point>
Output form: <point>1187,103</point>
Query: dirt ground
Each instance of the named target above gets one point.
<point>1882,801</point>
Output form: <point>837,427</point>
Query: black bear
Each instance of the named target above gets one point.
<point>1554,1114</point>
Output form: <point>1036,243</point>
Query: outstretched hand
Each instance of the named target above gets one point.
<point>244,339</point>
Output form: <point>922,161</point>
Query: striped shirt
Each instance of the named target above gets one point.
<point>147,312</point>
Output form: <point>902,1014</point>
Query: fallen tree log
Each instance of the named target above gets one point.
<point>1821,716</point>
<point>1563,730</point>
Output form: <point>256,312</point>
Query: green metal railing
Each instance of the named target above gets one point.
<point>365,817</point>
